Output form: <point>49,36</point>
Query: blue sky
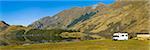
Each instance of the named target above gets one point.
<point>25,12</point>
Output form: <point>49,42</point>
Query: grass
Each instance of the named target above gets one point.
<point>85,45</point>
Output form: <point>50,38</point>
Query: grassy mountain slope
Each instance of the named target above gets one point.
<point>121,16</point>
<point>124,16</point>
<point>102,20</point>
<point>60,20</point>
<point>3,25</point>
<point>8,37</point>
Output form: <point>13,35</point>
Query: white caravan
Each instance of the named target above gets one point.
<point>120,36</point>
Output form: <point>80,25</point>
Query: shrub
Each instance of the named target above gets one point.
<point>16,35</point>
<point>72,35</point>
<point>39,35</point>
<point>96,37</point>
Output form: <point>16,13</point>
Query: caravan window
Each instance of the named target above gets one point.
<point>122,35</point>
<point>115,36</point>
<point>126,35</point>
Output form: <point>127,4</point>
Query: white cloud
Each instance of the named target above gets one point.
<point>94,6</point>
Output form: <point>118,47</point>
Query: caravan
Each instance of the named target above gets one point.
<point>120,36</point>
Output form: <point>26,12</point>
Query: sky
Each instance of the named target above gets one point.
<point>25,12</point>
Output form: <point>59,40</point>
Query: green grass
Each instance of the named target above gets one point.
<point>85,45</point>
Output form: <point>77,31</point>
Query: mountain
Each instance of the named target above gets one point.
<point>3,25</point>
<point>8,34</point>
<point>62,19</point>
<point>101,19</point>
<point>122,16</point>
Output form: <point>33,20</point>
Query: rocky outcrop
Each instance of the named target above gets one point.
<point>3,25</point>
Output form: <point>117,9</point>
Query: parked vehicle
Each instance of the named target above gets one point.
<point>120,36</point>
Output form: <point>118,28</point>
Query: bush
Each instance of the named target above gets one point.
<point>39,35</point>
<point>82,18</point>
<point>72,35</point>
<point>16,35</point>
<point>96,37</point>
<point>2,43</point>
<point>140,38</point>
<point>19,35</point>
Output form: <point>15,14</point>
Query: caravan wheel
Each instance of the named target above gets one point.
<point>115,39</point>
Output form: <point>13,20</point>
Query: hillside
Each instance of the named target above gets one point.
<point>128,16</point>
<point>3,25</point>
<point>101,19</point>
<point>60,20</point>
<point>19,35</point>
<point>8,36</point>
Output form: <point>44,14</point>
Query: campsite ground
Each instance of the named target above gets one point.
<point>85,45</point>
